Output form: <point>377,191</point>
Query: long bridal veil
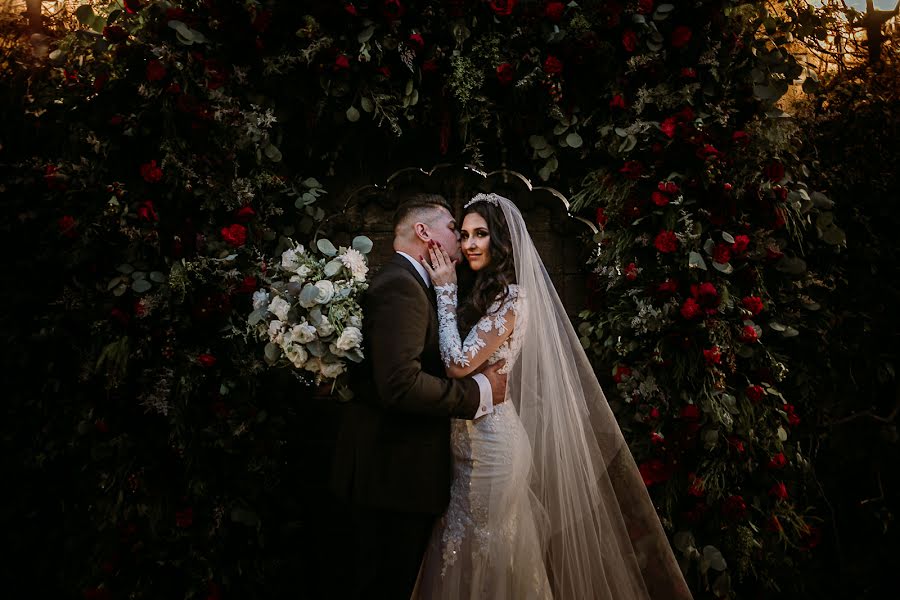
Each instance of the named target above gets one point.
<point>599,533</point>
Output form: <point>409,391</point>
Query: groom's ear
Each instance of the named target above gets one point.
<point>422,232</point>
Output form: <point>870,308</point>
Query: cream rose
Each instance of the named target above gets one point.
<point>350,338</point>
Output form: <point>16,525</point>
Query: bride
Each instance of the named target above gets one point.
<point>546,500</point>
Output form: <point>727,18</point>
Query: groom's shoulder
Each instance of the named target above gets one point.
<point>392,273</point>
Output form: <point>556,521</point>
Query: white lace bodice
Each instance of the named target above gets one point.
<point>491,327</point>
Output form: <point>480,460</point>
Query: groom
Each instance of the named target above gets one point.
<point>392,461</point>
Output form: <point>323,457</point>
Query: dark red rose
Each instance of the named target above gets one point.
<point>600,218</point>
<point>244,214</point>
<point>669,187</point>
<point>341,62</point>
<point>706,295</point>
<point>120,315</point>
<point>668,127</point>
<point>773,524</point>
<point>147,212</point>
<point>100,81</point>
<point>386,71</point>
<point>184,518</point>
<point>696,486</point>
<point>741,242</point>
<point>101,426</point>
<point>629,40</point>
<point>505,74</point>
<point>350,9</point>
<point>66,226</point>
<point>653,414</point>
<point>115,33</point>
<point>155,70</point>
<point>554,11</point>
<point>173,88</point>
<point>645,7</point>
<point>778,461</point>
<point>632,169</point>
<point>248,285</point>
<point>793,419</point>
<point>721,253</point>
<point>552,65</point>
<point>681,36</point>
<point>659,198</point>
<point>749,334</point>
<point>416,41</point>
<point>690,309</point>
<point>206,360</point>
<point>740,137</point>
<point>132,6</point>
<point>621,373</point>
<point>657,439</point>
<point>690,412</point>
<point>774,171</point>
<point>150,172</point>
<point>669,286</point>
<point>707,151</point>
<point>631,272</point>
<point>688,73</point>
<point>618,101</point>
<point>393,9</point>
<point>736,443</point>
<point>779,491</point>
<point>752,303</point>
<point>176,14</point>
<point>755,393</point>
<point>686,114</point>
<point>735,508</point>
<point>655,471</point>
<point>235,235</point>
<point>503,7</point>
<point>712,356</point>
<point>666,242</point>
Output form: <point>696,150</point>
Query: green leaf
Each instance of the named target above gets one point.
<point>352,114</point>
<point>574,140</point>
<point>723,267</point>
<point>125,268</point>
<point>272,353</point>
<point>367,105</point>
<point>333,267</point>
<point>141,285</point>
<point>365,34</point>
<point>362,244</point>
<point>256,316</point>
<point>695,261</point>
<point>537,142</point>
<point>326,247</point>
<point>85,15</point>
<point>157,276</point>
<point>308,294</point>
<point>273,153</point>
<point>729,239</point>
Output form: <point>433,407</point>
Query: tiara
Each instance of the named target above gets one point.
<point>491,198</point>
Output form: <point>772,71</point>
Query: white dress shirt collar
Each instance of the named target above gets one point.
<point>419,268</point>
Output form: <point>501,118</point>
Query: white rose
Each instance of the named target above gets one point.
<point>303,333</point>
<point>290,259</point>
<point>276,333</point>
<point>279,307</point>
<point>332,370</point>
<point>296,354</point>
<point>350,338</point>
<point>260,299</point>
<point>325,328</point>
<point>326,291</point>
<point>314,364</point>
<point>356,321</point>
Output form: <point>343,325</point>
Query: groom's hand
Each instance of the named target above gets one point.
<point>497,380</point>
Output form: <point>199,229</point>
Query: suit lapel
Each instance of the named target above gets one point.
<point>403,263</point>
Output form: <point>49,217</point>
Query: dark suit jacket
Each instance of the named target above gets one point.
<point>393,450</point>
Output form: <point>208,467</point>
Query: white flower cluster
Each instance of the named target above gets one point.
<point>309,314</point>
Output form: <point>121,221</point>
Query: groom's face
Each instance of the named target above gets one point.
<point>443,230</point>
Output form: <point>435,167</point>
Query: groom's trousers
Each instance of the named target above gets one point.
<point>390,548</point>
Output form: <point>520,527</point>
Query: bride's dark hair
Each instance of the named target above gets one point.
<point>489,284</point>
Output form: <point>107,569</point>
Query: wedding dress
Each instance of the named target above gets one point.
<point>546,500</point>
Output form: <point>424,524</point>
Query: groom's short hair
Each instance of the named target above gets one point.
<point>414,207</point>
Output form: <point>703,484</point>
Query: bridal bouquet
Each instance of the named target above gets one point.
<point>310,313</point>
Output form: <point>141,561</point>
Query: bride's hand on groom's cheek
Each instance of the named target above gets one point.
<point>497,380</point>
<point>441,268</point>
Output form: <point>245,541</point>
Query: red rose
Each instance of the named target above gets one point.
<point>554,11</point>
<point>386,71</point>
<point>206,360</point>
<point>505,74</point>
<point>734,507</point>
<point>706,295</point>
<point>631,272</point>
<point>712,356</point>
<point>681,36</point>
<point>752,303</point>
<point>341,63</point>
<point>101,426</point>
<point>146,211</point>
<point>350,9</point>
<point>150,172</point>
<point>749,334</point>
<point>184,518</point>
<point>248,285</point>
<point>696,487</point>
<point>235,235</point>
<point>773,524</point>
<point>115,33</point>
<point>503,7</point>
<point>621,373</point>
<point>132,6</point>
<point>779,491</point>
<point>755,393</point>
<point>666,242</point>
<point>721,253</point>
<point>655,471</point>
<point>656,439</point>
<point>417,41</point>
<point>707,151</point>
<point>669,187</point>
<point>740,137</point>
<point>629,40</point>
<point>393,9</point>
<point>669,286</point>
<point>779,461</point>
<point>155,70</point>
<point>654,413</point>
<point>429,66</point>
<point>668,127</point>
<point>552,65</point>
<point>736,443</point>
<point>632,169</point>
<point>618,101</point>
<point>741,242</point>
<point>659,199</point>
<point>688,73</point>
<point>66,225</point>
<point>601,219</point>
<point>244,214</point>
<point>690,309</point>
<point>690,412</point>
<point>793,419</point>
<point>645,7</point>
<point>774,171</point>
<point>686,114</point>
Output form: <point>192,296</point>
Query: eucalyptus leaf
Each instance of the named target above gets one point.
<point>574,140</point>
<point>113,283</point>
<point>365,34</point>
<point>723,267</point>
<point>537,142</point>
<point>157,276</point>
<point>709,246</point>
<point>311,182</point>
<point>729,239</point>
<point>714,558</point>
<point>272,352</point>
<point>352,114</point>
<point>85,14</point>
<point>362,244</point>
<point>139,275</point>
<point>695,261</point>
<point>308,295</point>
<point>326,247</point>
<point>790,332</point>
<point>333,267</point>
<point>272,153</point>
<point>776,326</point>
<point>317,348</point>
<point>782,434</point>
<point>120,289</point>
<point>125,268</point>
<point>141,285</point>
<point>665,8</point>
<point>256,316</point>
<point>366,104</point>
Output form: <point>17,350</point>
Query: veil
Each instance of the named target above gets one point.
<point>600,536</point>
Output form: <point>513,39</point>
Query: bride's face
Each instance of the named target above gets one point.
<point>475,240</point>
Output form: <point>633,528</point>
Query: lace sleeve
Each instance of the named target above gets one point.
<point>462,357</point>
